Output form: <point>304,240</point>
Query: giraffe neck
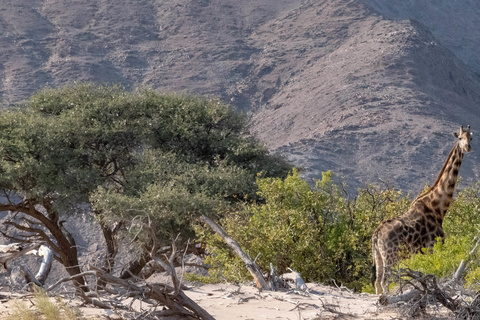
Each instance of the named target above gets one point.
<point>439,196</point>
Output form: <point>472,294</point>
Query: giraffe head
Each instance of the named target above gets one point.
<point>464,138</point>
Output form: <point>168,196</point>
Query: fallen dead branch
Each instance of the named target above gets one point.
<point>295,302</point>
<point>246,299</point>
<point>151,294</point>
<point>119,294</point>
<point>172,298</point>
<point>273,278</point>
<point>426,290</point>
<point>56,284</point>
<point>333,309</point>
<point>46,265</point>
<point>304,306</point>
<point>15,250</point>
<point>11,248</point>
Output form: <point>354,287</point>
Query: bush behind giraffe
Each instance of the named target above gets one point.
<point>326,234</point>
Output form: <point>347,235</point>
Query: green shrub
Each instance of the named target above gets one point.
<point>443,260</point>
<point>322,234</point>
<point>315,231</point>
<point>362,216</point>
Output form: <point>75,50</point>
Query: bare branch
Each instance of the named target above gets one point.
<point>179,303</point>
<point>56,284</point>
<point>251,266</point>
<point>425,286</point>
<point>463,263</point>
<point>39,232</point>
<point>10,248</point>
<point>19,252</point>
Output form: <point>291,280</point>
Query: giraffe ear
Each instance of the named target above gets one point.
<point>455,134</point>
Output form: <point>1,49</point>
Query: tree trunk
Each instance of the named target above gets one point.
<point>112,246</point>
<point>64,245</point>
<point>251,266</point>
<point>111,243</point>
<point>68,247</point>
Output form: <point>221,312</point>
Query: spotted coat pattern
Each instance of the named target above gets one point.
<point>421,225</point>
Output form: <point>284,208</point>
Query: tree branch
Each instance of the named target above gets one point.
<point>251,266</point>
<point>39,232</point>
<point>17,250</point>
<point>463,264</point>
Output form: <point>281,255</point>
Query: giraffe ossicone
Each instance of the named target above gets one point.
<point>421,225</point>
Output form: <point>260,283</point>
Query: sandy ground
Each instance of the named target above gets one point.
<point>245,302</point>
<point>230,302</point>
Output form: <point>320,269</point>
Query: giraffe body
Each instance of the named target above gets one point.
<point>421,225</point>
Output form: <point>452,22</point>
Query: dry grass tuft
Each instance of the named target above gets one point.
<point>43,309</point>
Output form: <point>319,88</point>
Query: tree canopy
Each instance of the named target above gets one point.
<point>169,157</point>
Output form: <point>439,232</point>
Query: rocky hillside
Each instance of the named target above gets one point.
<point>354,86</point>
<point>454,23</point>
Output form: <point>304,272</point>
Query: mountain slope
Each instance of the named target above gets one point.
<point>330,84</point>
<point>181,45</point>
<point>453,23</point>
<point>376,102</point>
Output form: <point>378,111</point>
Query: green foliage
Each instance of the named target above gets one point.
<point>324,235</point>
<point>443,259</point>
<point>79,136</point>
<point>168,157</point>
<point>463,217</point>
<point>194,277</point>
<point>66,142</point>
<point>472,278</point>
<point>316,232</point>
<point>171,158</point>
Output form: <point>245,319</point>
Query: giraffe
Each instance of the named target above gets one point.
<point>421,225</point>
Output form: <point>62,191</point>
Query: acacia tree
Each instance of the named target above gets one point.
<point>126,154</point>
